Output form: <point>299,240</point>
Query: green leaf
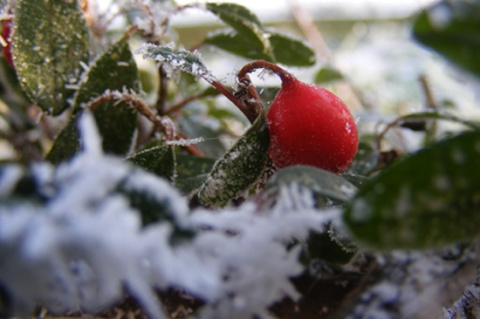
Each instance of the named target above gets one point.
<point>50,42</point>
<point>159,160</point>
<point>327,74</point>
<point>175,60</point>
<point>245,23</point>
<point>115,70</point>
<point>194,126</point>
<point>285,49</point>
<point>427,199</point>
<point>239,168</point>
<point>321,183</point>
<point>192,171</point>
<point>289,50</point>
<point>231,41</point>
<point>452,28</point>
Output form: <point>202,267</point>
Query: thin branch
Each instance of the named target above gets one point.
<point>162,91</point>
<point>164,124</point>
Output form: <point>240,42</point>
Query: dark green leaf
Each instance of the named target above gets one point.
<point>322,246</point>
<point>231,41</point>
<point>156,201</point>
<point>325,75</point>
<point>452,28</point>
<point>19,185</point>
<point>159,160</point>
<point>193,126</point>
<point>245,23</point>
<point>173,60</point>
<point>285,49</point>
<point>50,42</point>
<point>192,171</point>
<point>427,199</point>
<point>240,167</point>
<point>321,183</point>
<point>291,51</point>
<point>114,70</point>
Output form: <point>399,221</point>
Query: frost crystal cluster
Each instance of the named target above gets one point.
<point>72,238</point>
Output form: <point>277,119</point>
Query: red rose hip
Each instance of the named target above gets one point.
<point>311,126</point>
<point>6,48</point>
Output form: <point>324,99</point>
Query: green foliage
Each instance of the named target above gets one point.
<point>115,70</point>
<point>159,160</point>
<point>239,168</point>
<point>327,74</point>
<point>327,187</point>
<point>285,49</point>
<point>47,61</point>
<point>428,199</point>
<point>452,29</point>
<point>248,38</point>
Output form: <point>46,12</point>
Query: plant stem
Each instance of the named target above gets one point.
<point>251,116</point>
<point>261,64</point>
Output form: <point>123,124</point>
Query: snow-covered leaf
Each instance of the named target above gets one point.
<point>50,42</point>
<point>427,199</point>
<point>451,28</point>
<point>159,160</point>
<point>285,49</point>
<point>114,70</point>
<point>175,60</point>
<point>245,23</point>
<point>325,185</point>
<point>240,167</point>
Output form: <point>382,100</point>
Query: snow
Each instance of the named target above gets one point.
<point>85,245</point>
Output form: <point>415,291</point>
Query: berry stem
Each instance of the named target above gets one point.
<point>262,64</point>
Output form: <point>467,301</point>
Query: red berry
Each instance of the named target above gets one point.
<point>7,29</point>
<point>311,126</point>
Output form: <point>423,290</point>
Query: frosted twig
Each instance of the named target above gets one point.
<point>164,124</point>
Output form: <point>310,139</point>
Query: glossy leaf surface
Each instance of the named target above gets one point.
<point>452,29</point>
<point>427,199</point>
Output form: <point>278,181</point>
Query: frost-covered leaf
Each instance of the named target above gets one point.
<point>427,199</point>
<point>114,70</point>
<point>285,49</point>
<point>159,160</point>
<point>245,23</point>
<point>452,29</point>
<point>327,74</point>
<point>173,60</point>
<point>240,167</point>
<point>323,184</point>
<point>192,171</point>
<point>50,42</point>
<point>325,247</point>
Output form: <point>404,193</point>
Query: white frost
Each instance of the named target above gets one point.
<point>85,246</point>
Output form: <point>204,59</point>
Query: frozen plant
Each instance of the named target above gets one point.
<point>76,241</point>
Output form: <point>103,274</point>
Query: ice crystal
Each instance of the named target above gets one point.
<point>82,245</point>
